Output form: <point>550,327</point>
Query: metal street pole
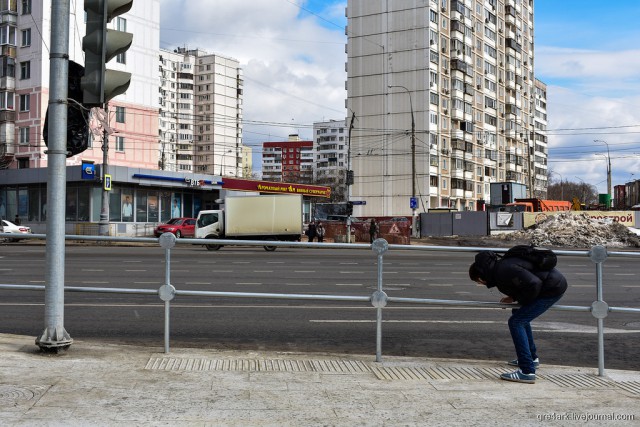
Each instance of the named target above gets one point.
<point>55,337</point>
<point>608,167</point>
<point>413,162</point>
<point>349,176</point>
<point>103,225</point>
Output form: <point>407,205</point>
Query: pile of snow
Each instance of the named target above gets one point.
<point>577,231</point>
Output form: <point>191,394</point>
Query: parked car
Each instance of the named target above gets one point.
<point>9,227</point>
<point>180,227</point>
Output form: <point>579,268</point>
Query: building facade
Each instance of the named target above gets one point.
<point>288,161</point>
<point>24,85</point>
<point>200,113</point>
<point>443,93</point>
<point>330,155</point>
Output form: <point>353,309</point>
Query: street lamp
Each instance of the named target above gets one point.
<point>561,184</point>
<point>608,166</point>
<point>222,161</point>
<point>414,204</point>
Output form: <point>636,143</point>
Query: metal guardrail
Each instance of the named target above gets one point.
<point>378,299</point>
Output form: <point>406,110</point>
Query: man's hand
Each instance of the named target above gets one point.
<point>507,300</point>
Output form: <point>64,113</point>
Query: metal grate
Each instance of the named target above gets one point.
<point>257,365</point>
<point>14,393</point>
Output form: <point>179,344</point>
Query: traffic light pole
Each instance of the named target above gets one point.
<point>55,337</point>
<point>103,225</point>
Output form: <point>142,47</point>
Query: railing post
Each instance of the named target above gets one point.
<point>379,297</point>
<point>599,308</point>
<point>167,291</point>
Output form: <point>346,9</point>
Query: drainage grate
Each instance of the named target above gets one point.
<point>435,373</point>
<point>257,365</point>
<point>578,381</point>
<point>630,386</point>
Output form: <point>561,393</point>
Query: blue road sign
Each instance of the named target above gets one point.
<point>413,202</point>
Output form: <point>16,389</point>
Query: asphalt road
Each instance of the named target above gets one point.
<point>567,338</point>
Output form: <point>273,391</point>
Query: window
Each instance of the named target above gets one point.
<point>120,114</point>
<point>26,37</point>
<point>6,101</point>
<point>25,102</point>
<point>23,162</point>
<point>24,135</point>
<point>121,25</point>
<point>119,143</point>
<point>25,70</point>
<point>26,7</point>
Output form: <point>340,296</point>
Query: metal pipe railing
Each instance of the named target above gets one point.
<point>378,299</point>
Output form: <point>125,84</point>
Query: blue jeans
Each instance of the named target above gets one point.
<point>520,328</point>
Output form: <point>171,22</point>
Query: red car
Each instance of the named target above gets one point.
<point>180,227</point>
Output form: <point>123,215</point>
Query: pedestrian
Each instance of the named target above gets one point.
<point>16,221</point>
<point>374,230</point>
<point>534,289</point>
<point>311,231</point>
<point>320,232</point>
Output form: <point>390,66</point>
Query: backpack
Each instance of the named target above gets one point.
<point>541,258</point>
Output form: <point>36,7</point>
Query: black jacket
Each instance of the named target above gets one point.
<point>518,279</point>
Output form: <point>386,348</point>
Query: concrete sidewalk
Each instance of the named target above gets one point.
<point>104,385</point>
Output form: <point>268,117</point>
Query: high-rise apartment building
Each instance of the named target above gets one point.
<point>330,151</point>
<point>200,113</point>
<point>24,85</point>
<point>443,94</point>
<point>540,150</point>
<point>288,161</point>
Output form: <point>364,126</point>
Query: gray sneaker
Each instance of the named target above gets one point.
<point>519,377</point>
<point>536,362</point>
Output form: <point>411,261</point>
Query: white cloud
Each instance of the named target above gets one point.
<point>592,95</point>
<point>292,62</point>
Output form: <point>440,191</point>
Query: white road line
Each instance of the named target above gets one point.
<point>624,274</point>
<point>584,274</point>
<point>418,272</point>
<point>6,269</point>
<point>130,261</point>
<point>389,272</point>
<point>93,282</point>
<point>263,271</point>
<point>223,271</point>
<point>631,286</point>
<point>241,262</point>
<point>135,270</point>
<point>349,263</point>
<point>275,262</point>
<point>37,281</point>
<point>349,284</point>
<point>146,283</point>
<point>304,271</point>
<point>197,283</point>
<point>440,284</point>
<point>90,269</point>
<point>248,283</point>
<point>297,284</point>
<point>352,272</point>
<point>582,286</point>
<point>459,272</point>
<point>577,265</point>
<point>488,322</point>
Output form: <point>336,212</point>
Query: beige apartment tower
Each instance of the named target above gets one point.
<point>444,96</point>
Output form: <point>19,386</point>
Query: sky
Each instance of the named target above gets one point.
<point>292,53</point>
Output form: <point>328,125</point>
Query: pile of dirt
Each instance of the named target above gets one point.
<point>577,231</point>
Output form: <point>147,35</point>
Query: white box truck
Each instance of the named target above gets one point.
<point>264,217</point>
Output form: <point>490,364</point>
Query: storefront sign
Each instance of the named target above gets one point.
<point>88,170</point>
<point>275,187</point>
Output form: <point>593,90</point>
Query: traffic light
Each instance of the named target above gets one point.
<point>77,115</point>
<point>100,45</point>
<point>349,177</point>
<point>349,208</point>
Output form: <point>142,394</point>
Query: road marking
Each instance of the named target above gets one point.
<point>146,283</point>
<point>352,272</point>
<point>418,272</point>
<point>197,283</point>
<point>248,283</point>
<point>349,263</point>
<point>389,272</point>
<point>584,274</point>
<point>91,270</point>
<point>241,262</point>
<point>459,272</point>
<point>130,261</point>
<point>135,270</point>
<point>446,265</point>
<point>297,284</point>
<point>439,284</point>
<point>582,286</point>
<point>6,269</point>
<point>223,271</point>
<point>349,284</point>
<point>631,286</point>
<point>93,282</point>
<point>263,271</point>
<point>577,265</point>
<point>135,313</point>
<point>37,281</point>
<point>304,271</point>
<point>624,274</point>
<point>275,262</point>
<point>491,322</point>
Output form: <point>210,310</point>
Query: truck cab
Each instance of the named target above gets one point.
<point>210,224</point>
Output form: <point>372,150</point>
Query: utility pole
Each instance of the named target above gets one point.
<point>414,201</point>
<point>608,168</point>
<point>349,179</point>
<point>55,337</point>
<point>103,225</point>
